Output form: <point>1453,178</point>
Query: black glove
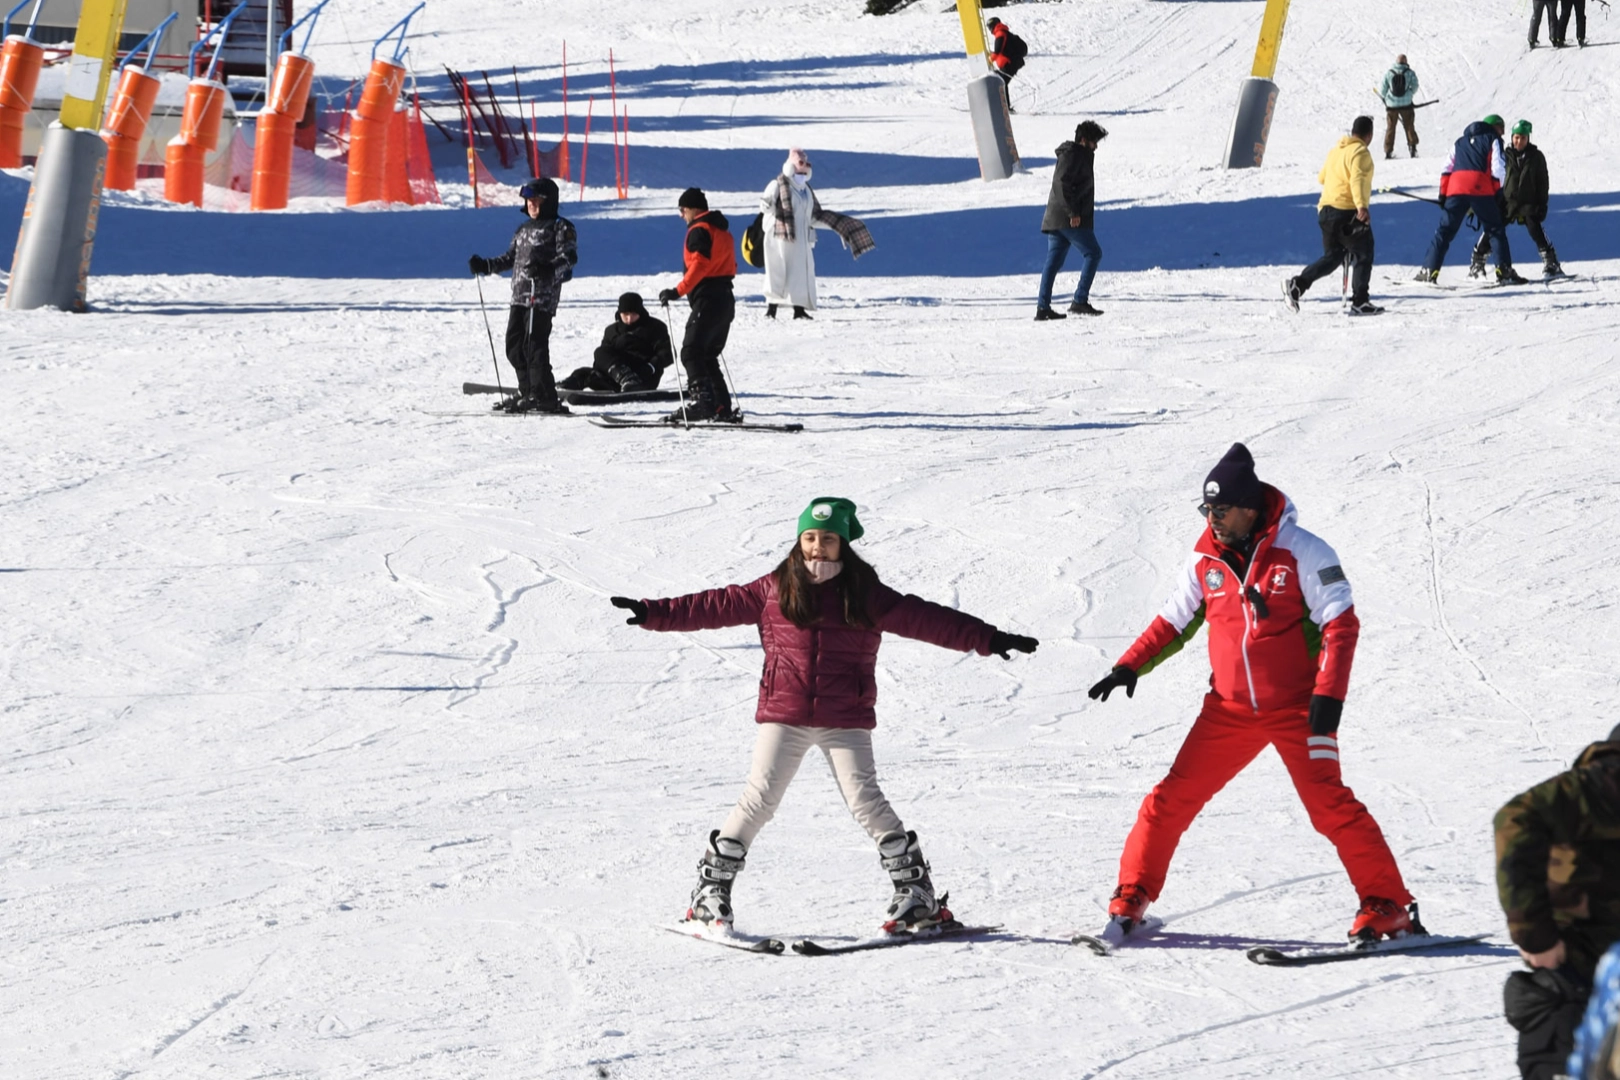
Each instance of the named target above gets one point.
<point>478,265</point>
<point>1001,643</point>
<point>1325,712</point>
<point>637,609</point>
<point>668,296</point>
<point>1120,676</point>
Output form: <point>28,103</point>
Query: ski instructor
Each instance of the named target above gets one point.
<point>1282,632</point>
<point>821,614</point>
<point>711,262</point>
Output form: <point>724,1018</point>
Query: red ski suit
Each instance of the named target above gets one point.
<point>1282,630</point>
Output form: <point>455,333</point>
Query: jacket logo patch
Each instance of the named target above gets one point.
<point>1279,579</point>
<point>1331,575</point>
<point>1213,578</point>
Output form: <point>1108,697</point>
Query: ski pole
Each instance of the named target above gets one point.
<point>1408,195</point>
<point>731,385</point>
<point>680,383</point>
<point>479,281</point>
<point>1426,104</point>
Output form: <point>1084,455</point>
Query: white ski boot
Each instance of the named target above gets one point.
<point>711,900</point>
<point>914,906</point>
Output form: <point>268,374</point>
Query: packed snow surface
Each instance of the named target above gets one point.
<point>325,755</point>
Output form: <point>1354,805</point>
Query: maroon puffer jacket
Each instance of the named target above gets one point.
<point>820,676</point>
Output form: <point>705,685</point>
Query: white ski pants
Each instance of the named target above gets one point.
<point>778,750</point>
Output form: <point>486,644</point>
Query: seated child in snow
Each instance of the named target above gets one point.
<point>633,354</point>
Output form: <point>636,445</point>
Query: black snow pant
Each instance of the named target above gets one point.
<point>1537,7</point>
<point>528,350</point>
<point>707,329</point>
<point>1343,237</point>
<point>1453,211</point>
<point>1482,247</point>
<point>1545,1008</point>
<point>613,371</point>
<point>1579,7</point>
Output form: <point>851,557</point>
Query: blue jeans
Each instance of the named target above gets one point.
<point>1452,212</point>
<point>1057,251</point>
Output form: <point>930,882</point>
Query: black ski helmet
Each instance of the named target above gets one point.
<point>542,190</point>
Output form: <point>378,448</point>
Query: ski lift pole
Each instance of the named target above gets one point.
<point>312,16</point>
<point>149,42</point>
<point>33,18</point>
<point>221,28</point>
<point>403,26</point>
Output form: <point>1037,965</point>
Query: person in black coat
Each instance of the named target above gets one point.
<point>541,257</point>
<point>633,354</point>
<point>1523,200</point>
<point>1070,215</point>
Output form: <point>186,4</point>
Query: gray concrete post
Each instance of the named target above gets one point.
<point>52,261</point>
<point>1251,125</point>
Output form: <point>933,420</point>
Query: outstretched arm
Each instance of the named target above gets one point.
<point>734,605</point>
<point>913,617</point>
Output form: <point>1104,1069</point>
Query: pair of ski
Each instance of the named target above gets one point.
<point>1479,285</point>
<point>1114,935</point>
<point>613,420</point>
<point>772,946</point>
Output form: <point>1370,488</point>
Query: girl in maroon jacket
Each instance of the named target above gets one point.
<point>821,615</point>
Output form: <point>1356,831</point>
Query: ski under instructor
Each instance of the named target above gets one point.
<point>710,256</point>
<point>822,614</point>
<point>541,257</point>
<point>1282,632</point>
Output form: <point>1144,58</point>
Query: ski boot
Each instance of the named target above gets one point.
<point>1549,263</point>
<point>914,906</point>
<point>1476,265</point>
<point>1506,275</point>
<point>626,379</point>
<point>1428,277</point>
<point>1385,918</point>
<point>711,900</point>
<point>1291,293</point>
<point>1128,906</point>
<point>698,408</point>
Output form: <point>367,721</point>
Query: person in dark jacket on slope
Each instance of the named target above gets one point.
<point>541,257</point>
<point>1069,219</point>
<point>822,614</point>
<point>633,354</point>
<point>1008,52</point>
<point>1558,880</point>
<point>1523,200</point>
<point>711,262</point>
<point>1469,184</point>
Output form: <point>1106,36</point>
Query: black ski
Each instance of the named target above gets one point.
<point>943,932</point>
<point>729,939</point>
<point>610,420</point>
<point>582,397</point>
<point>1476,285</point>
<point>499,412</point>
<point>1112,936</point>
<point>1331,954</point>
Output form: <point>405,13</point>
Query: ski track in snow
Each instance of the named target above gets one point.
<point>326,755</point>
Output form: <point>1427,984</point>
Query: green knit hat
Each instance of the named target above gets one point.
<point>1522,128</point>
<point>1493,120</point>
<point>833,514</point>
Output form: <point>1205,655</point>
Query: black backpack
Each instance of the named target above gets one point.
<point>1014,47</point>
<point>753,241</point>
<point>1397,84</point>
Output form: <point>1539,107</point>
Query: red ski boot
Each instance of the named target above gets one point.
<point>1380,918</point>
<point>1129,902</point>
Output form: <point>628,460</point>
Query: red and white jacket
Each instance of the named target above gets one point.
<point>1285,630</point>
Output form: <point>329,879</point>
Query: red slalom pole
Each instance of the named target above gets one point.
<point>585,150</point>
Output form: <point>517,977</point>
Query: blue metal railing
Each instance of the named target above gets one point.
<point>310,17</point>
<point>222,28</point>
<point>149,42</point>
<point>402,26</point>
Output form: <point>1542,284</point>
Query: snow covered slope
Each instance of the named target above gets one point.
<point>326,756</point>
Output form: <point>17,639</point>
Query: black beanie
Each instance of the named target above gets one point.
<point>1614,736</point>
<point>1232,481</point>
<point>631,301</point>
<point>694,199</point>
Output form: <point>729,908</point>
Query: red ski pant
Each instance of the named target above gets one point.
<point>1223,740</point>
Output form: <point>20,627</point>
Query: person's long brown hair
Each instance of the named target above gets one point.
<point>796,589</point>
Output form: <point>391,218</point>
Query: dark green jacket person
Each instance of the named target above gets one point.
<point>1558,860</point>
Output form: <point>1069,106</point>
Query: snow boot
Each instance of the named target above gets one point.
<point>1476,264</point>
<point>579,379</point>
<point>1291,293</point>
<point>1384,918</point>
<point>1083,308</point>
<point>1549,262</point>
<point>800,313</point>
<point>914,906</point>
<point>1128,905</point>
<point>711,900</point>
<point>770,311</point>
<point>626,379</point>
<point>1506,275</point>
<point>1044,314</point>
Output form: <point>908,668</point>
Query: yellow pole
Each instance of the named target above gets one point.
<point>1271,32</point>
<point>95,47</point>
<point>972,26</point>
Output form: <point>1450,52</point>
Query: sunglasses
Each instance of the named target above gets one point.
<point>1216,512</point>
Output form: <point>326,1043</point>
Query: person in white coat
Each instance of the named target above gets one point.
<point>790,261</point>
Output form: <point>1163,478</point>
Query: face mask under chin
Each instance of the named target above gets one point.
<point>821,570</point>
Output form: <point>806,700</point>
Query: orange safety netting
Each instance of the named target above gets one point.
<point>418,165</point>
<point>488,191</point>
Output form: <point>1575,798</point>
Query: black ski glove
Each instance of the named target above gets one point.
<point>668,296</point>
<point>478,265</point>
<point>1120,676</point>
<point>1002,643</point>
<point>1325,712</point>
<point>637,609</point>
